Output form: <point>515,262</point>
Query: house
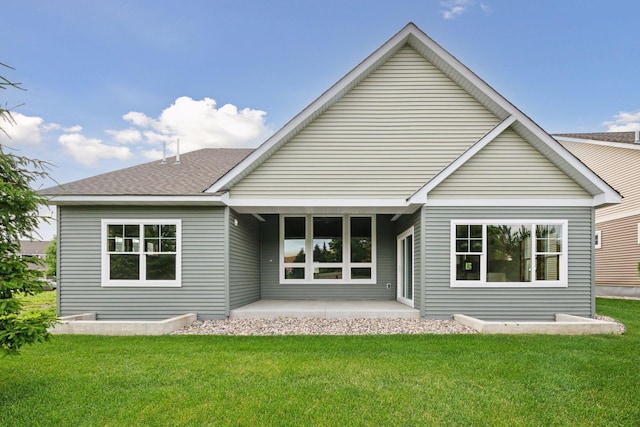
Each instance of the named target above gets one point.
<point>409,180</point>
<point>614,156</point>
<point>34,250</point>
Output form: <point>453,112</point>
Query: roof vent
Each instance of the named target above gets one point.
<point>178,152</point>
<point>164,153</point>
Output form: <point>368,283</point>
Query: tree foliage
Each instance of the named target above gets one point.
<point>19,218</point>
<point>50,258</point>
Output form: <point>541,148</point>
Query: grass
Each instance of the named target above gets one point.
<point>45,300</point>
<point>320,380</point>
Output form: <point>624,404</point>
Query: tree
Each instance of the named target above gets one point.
<point>19,217</point>
<point>50,258</point>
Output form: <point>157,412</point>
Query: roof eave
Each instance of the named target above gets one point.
<point>137,200</point>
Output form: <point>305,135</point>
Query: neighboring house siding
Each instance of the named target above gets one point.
<point>619,167</point>
<point>403,224</point>
<point>203,265</point>
<point>617,260</point>
<point>442,301</point>
<point>386,271</point>
<point>508,167</point>
<point>384,139</point>
<point>244,260</point>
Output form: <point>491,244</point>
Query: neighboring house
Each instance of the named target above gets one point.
<point>614,156</point>
<point>410,179</point>
<point>33,250</point>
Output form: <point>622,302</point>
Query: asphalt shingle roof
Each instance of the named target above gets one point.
<point>196,172</point>
<point>624,137</point>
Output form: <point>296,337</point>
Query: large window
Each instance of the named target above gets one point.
<point>327,249</point>
<point>141,253</point>
<point>509,253</point>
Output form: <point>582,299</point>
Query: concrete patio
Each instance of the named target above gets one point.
<point>326,309</point>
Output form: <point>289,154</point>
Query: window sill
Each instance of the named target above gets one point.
<point>509,285</point>
<point>328,282</point>
<point>138,284</point>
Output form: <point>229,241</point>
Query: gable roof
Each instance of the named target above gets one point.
<point>619,137</point>
<point>195,173</point>
<point>506,112</point>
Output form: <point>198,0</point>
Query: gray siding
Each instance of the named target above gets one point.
<point>508,167</point>
<point>203,265</point>
<point>386,273</point>
<point>442,301</point>
<point>244,260</point>
<point>384,139</point>
<point>403,224</point>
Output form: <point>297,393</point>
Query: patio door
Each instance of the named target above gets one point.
<point>405,267</point>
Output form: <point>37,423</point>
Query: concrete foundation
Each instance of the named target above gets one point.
<point>85,324</point>
<point>565,324</point>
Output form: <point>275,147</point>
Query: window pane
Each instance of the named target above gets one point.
<point>293,273</point>
<point>124,267</point>
<point>462,231</point>
<point>161,267</point>
<point>548,267</point>
<point>468,267</point>
<point>361,237</point>
<point>549,238</point>
<point>152,245</point>
<point>168,230</point>
<point>132,230</point>
<point>361,273</point>
<point>508,253</point>
<point>115,231</point>
<point>151,230</point>
<point>294,241</point>
<point>327,273</point>
<point>327,239</point>
<point>462,245</point>
<point>475,231</point>
<point>168,245</point>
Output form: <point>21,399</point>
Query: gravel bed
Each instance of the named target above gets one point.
<point>316,326</point>
<point>621,327</point>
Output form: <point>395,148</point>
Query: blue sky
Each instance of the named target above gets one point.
<point>108,81</point>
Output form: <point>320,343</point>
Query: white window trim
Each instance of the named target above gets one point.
<point>598,238</point>
<point>482,283</point>
<point>346,263</point>
<point>107,282</point>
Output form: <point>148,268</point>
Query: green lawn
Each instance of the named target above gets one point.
<point>459,380</point>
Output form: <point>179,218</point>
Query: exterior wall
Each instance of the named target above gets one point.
<point>508,167</point>
<point>270,265</point>
<point>617,259</point>
<point>203,265</point>
<point>404,223</point>
<point>384,139</point>
<point>620,167</point>
<point>244,260</point>
<point>442,301</point>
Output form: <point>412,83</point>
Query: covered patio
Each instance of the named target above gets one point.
<point>326,309</point>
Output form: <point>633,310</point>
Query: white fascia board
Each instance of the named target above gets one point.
<point>511,202</point>
<point>395,203</point>
<point>136,200</point>
<point>420,196</point>
<point>626,146</point>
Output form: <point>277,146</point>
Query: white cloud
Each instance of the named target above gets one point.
<point>624,122</point>
<point>89,150</point>
<point>25,131</point>
<point>74,129</point>
<point>126,136</point>
<point>198,124</point>
<point>453,8</point>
